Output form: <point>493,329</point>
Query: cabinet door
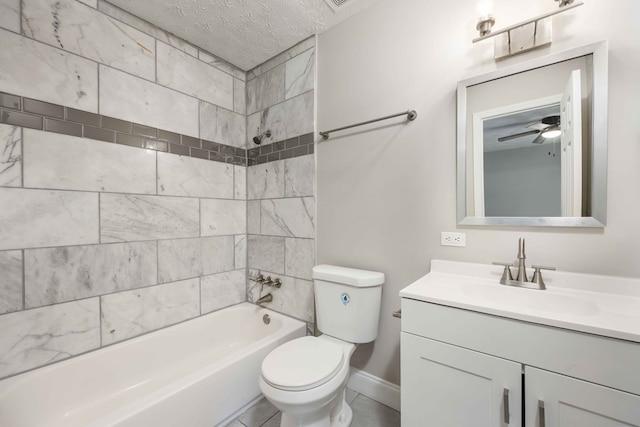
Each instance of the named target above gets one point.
<point>445,385</point>
<point>553,400</point>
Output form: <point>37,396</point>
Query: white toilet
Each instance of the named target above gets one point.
<point>306,378</point>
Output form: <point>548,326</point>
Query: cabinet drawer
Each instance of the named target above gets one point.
<point>601,360</point>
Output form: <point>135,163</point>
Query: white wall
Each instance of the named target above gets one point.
<point>523,181</point>
<point>384,195</point>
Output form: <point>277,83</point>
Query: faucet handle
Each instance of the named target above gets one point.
<point>258,279</point>
<point>537,275</point>
<point>506,273</point>
<point>542,267</point>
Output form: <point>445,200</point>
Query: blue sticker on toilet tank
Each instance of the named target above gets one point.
<point>345,298</point>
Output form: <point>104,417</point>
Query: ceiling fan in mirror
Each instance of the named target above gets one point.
<point>548,127</point>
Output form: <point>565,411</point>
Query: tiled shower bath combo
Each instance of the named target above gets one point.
<point>123,180</point>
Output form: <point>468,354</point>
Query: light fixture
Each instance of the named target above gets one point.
<point>484,25</point>
<point>551,132</point>
<point>258,139</point>
<point>523,36</point>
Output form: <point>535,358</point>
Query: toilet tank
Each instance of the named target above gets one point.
<point>347,302</point>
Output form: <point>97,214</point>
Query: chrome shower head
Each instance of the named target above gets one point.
<point>258,139</point>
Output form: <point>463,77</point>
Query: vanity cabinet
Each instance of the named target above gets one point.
<point>463,368</point>
<point>571,402</point>
<point>444,385</point>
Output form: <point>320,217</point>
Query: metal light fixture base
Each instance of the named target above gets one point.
<point>522,39</point>
<point>523,36</point>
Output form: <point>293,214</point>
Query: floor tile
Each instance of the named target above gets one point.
<point>236,423</point>
<point>258,414</point>
<point>350,396</point>
<point>273,421</point>
<point>369,413</point>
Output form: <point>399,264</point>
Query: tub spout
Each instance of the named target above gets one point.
<point>265,299</point>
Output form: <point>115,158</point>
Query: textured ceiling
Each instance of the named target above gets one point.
<point>243,32</point>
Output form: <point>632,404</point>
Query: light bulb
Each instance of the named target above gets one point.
<point>551,133</point>
<point>484,7</point>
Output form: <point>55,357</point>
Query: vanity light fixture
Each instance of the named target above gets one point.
<point>523,36</point>
<point>484,24</point>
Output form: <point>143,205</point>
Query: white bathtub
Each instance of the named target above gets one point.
<point>195,374</point>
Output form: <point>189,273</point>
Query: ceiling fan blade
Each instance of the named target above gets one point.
<point>539,139</point>
<point>518,135</point>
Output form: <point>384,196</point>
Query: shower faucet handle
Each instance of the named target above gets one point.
<point>258,279</point>
<point>275,283</point>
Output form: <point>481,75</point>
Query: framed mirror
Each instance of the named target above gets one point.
<point>532,142</point>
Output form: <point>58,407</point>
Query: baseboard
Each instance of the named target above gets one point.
<point>375,388</point>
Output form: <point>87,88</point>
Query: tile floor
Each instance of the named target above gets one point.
<point>366,413</point>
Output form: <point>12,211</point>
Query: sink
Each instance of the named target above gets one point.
<point>597,304</point>
<point>531,299</point>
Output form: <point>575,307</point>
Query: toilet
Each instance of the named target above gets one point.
<point>306,378</point>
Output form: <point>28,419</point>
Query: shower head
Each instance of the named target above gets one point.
<point>258,139</point>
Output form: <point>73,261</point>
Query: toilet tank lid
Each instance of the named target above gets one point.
<point>348,276</point>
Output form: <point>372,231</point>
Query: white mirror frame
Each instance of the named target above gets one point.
<point>599,142</point>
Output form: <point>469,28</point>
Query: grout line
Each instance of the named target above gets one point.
<point>157,261</point>
<point>99,219</point>
<point>155,62</point>
<point>124,242</point>
<point>24,282</point>
<point>100,317</point>
<point>157,175</point>
<point>284,258</point>
<point>71,190</point>
<point>22,162</point>
<point>200,295</point>
<point>97,96</point>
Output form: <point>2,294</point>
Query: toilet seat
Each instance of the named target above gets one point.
<point>302,364</point>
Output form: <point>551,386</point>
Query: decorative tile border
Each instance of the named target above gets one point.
<point>21,111</point>
<point>292,147</point>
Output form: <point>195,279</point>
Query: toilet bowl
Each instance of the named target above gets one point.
<point>306,378</point>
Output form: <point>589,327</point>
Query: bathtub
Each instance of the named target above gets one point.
<point>194,374</point>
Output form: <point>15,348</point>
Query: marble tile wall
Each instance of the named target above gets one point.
<point>281,226</point>
<point>281,219</point>
<point>280,95</point>
<point>106,230</point>
<point>10,15</point>
<point>101,242</point>
<point>95,57</point>
<point>108,242</point>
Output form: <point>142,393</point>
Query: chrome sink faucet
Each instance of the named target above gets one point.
<point>521,279</point>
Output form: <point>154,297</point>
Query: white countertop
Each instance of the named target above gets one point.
<point>601,305</point>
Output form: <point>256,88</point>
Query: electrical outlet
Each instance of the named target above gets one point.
<point>453,239</point>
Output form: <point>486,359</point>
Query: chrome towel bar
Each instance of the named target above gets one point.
<point>411,116</point>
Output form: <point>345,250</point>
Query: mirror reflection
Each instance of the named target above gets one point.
<point>529,144</point>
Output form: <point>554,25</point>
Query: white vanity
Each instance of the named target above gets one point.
<point>477,353</point>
